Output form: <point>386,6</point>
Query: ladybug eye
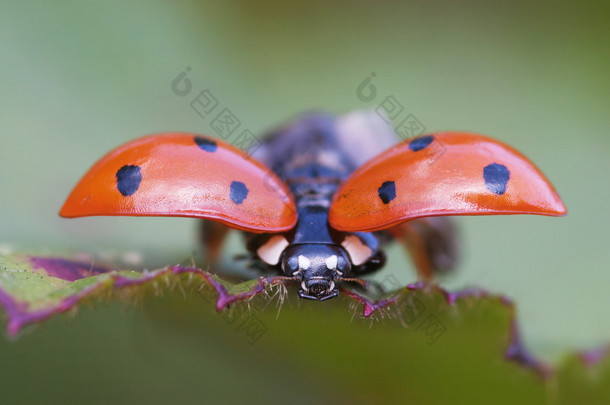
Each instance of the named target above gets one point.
<point>290,265</point>
<point>293,263</point>
<point>341,264</point>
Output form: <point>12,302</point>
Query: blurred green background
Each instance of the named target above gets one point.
<point>79,78</point>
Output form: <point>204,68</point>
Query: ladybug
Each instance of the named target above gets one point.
<point>319,198</point>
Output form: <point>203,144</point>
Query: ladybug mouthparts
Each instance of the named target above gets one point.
<point>318,288</point>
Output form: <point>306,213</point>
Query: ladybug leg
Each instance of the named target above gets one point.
<point>432,243</point>
<point>212,235</point>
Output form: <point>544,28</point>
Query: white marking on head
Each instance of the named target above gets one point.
<point>304,262</point>
<point>358,251</point>
<point>271,250</point>
<point>331,262</point>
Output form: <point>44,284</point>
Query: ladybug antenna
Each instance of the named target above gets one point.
<point>360,281</point>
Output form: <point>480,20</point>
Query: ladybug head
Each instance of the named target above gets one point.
<point>318,267</point>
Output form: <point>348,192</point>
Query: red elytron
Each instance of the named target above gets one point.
<point>184,175</point>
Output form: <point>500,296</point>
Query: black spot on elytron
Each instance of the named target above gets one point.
<point>420,143</point>
<point>206,144</point>
<point>239,192</point>
<point>387,191</point>
<point>496,177</point>
<point>128,179</point>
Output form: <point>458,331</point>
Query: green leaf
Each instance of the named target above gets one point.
<point>35,288</point>
<point>419,337</point>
